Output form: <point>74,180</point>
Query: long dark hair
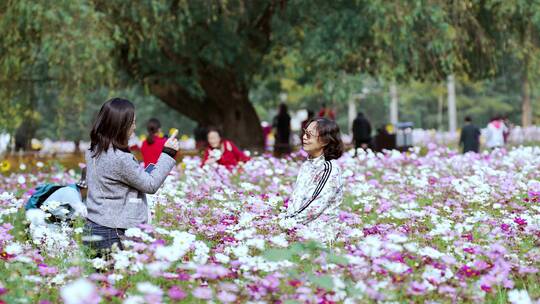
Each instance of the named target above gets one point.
<point>112,125</point>
<point>152,127</point>
<point>329,135</point>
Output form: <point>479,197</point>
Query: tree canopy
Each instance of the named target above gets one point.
<point>209,59</point>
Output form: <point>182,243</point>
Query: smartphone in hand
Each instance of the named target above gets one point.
<point>150,168</point>
<point>173,132</point>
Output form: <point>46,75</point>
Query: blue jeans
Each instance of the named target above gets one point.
<point>101,237</point>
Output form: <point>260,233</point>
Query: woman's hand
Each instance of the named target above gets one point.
<point>172,142</point>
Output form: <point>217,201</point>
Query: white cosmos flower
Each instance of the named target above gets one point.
<point>280,240</point>
<point>201,253</point>
<point>182,239</point>
<point>222,258</point>
<point>397,238</point>
<point>430,252</point>
<point>99,263</point>
<point>134,300</point>
<point>371,246</point>
<point>438,276</point>
<point>519,297</point>
<point>149,288</point>
<point>121,260</point>
<point>169,253</point>
<point>256,243</point>
<point>241,251</point>
<point>13,249</point>
<point>81,291</point>
<point>396,267</point>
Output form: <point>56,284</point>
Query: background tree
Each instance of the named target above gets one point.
<point>517,23</point>
<point>221,62</point>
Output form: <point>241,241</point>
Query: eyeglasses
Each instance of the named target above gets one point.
<point>310,135</point>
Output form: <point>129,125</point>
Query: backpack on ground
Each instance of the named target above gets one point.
<point>41,194</point>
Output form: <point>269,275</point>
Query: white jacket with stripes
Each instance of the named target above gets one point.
<point>318,192</point>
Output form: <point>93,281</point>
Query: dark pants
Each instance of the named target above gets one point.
<point>101,238</point>
<point>364,144</point>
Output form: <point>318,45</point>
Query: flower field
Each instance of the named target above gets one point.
<point>435,228</point>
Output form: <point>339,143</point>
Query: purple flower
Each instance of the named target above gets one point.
<point>520,221</point>
<point>226,297</point>
<point>45,270</point>
<point>204,293</point>
<point>466,271</point>
<point>177,294</point>
<point>469,250</point>
<point>417,288</point>
<point>211,272</point>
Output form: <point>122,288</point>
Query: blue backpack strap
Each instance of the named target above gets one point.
<point>42,193</point>
<point>74,186</point>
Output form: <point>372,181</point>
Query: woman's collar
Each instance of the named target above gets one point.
<point>317,160</point>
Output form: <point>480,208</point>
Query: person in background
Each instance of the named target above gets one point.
<point>310,116</point>
<point>152,146</point>
<point>495,133</point>
<point>199,134</point>
<point>361,129</point>
<point>508,126</point>
<point>222,151</point>
<point>282,123</point>
<point>327,112</point>
<point>117,184</point>
<point>266,129</point>
<point>470,137</point>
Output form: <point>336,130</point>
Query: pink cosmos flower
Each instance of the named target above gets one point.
<point>45,270</point>
<point>226,297</point>
<point>466,271</point>
<point>204,293</point>
<point>176,293</point>
<point>520,221</point>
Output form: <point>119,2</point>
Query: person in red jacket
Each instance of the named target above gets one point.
<point>222,151</point>
<point>153,145</point>
<point>327,112</point>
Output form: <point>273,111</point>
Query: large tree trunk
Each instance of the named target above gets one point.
<point>239,122</point>
<point>225,99</point>
<point>526,108</point>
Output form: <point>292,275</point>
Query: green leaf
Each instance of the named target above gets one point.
<point>276,255</point>
<point>323,281</point>
<point>337,259</point>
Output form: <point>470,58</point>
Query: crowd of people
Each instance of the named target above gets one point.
<point>497,132</point>
<point>111,194</point>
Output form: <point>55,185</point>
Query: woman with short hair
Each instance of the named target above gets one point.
<point>318,191</point>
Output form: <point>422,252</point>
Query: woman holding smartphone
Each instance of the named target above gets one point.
<point>117,184</point>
